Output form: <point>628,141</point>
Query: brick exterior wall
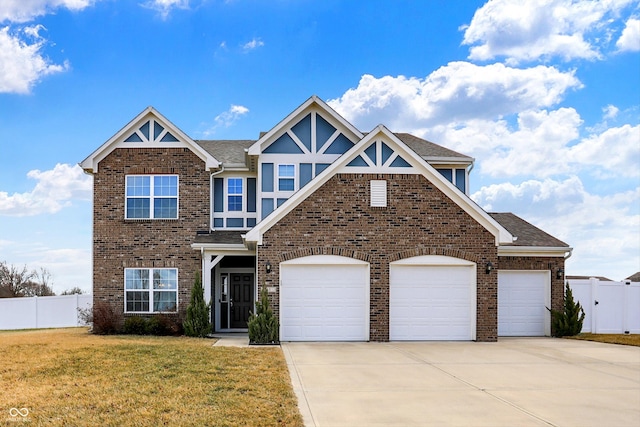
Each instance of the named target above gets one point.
<point>120,243</point>
<point>418,220</point>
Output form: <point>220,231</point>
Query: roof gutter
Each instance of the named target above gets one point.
<point>545,251</point>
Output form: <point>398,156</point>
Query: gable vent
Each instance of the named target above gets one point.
<point>378,193</point>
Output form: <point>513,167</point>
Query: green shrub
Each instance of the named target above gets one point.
<point>197,323</point>
<point>263,325</point>
<point>135,325</point>
<point>568,322</point>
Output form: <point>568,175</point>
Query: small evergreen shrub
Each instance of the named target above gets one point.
<point>163,324</point>
<point>197,322</point>
<point>135,325</point>
<point>568,322</point>
<point>105,319</point>
<point>263,325</point>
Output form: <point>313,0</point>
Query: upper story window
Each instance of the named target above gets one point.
<point>286,177</point>
<point>151,290</point>
<point>234,194</point>
<point>151,197</point>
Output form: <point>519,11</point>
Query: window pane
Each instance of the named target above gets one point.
<point>164,301</point>
<point>137,279</point>
<point>286,171</point>
<point>285,184</point>
<point>138,186</point>
<point>137,301</point>
<point>138,208</point>
<point>165,185</point>
<point>165,278</point>
<point>234,186</point>
<point>165,208</point>
<point>235,203</point>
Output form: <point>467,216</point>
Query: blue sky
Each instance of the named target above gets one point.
<point>545,95</point>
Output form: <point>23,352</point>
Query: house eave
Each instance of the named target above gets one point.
<point>535,251</point>
<point>221,247</point>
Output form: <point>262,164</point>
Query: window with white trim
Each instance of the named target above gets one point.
<point>151,197</point>
<point>150,290</point>
<point>234,194</point>
<point>286,177</point>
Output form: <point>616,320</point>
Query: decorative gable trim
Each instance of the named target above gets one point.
<point>381,137</point>
<point>149,129</point>
<point>299,131</point>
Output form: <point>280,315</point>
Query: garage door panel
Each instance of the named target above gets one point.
<point>324,302</point>
<point>429,302</point>
<point>522,300</point>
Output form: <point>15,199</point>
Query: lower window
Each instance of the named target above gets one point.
<point>150,290</point>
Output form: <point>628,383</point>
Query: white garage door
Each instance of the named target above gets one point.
<point>324,298</point>
<point>522,300</point>
<point>432,298</point>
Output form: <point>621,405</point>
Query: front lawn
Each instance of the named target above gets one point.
<point>626,339</point>
<point>70,377</point>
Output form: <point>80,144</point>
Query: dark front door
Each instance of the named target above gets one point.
<point>241,298</point>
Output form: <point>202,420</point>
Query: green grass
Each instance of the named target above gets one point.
<point>70,377</point>
<point>625,339</point>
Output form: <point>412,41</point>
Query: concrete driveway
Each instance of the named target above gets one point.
<point>514,382</point>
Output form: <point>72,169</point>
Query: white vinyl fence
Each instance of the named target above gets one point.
<point>42,312</point>
<point>609,307</point>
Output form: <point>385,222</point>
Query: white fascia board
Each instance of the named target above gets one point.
<point>449,160</point>
<point>90,164</point>
<point>541,251</point>
<point>222,249</point>
<point>256,148</point>
<point>468,205</point>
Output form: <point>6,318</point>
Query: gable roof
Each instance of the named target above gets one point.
<point>311,103</point>
<point>179,140</point>
<point>417,165</point>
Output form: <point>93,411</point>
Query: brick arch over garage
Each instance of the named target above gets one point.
<point>450,252</point>
<point>323,250</point>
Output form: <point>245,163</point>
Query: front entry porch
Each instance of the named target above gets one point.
<point>230,286</point>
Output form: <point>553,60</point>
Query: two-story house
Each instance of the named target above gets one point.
<point>356,236</point>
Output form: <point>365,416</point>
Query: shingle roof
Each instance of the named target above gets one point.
<point>232,151</point>
<point>426,148</point>
<point>634,277</point>
<point>527,234</point>
<point>227,151</point>
<point>220,237</point>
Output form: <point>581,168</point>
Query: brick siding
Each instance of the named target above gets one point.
<point>419,220</point>
<point>120,243</point>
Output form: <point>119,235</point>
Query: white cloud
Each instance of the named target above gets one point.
<point>456,92</point>
<point>22,63</point>
<point>164,7</point>
<point>27,10</point>
<point>532,29</point>
<point>630,38</point>
<point>616,150</point>
<point>598,227</point>
<point>55,189</point>
<point>610,111</point>
<point>226,119</point>
<point>253,44</point>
